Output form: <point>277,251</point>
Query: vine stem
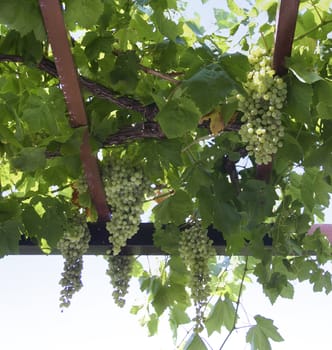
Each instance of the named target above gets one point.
<point>97,89</point>
<point>160,75</point>
<point>324,23</point>
<point>245,270</point>
<point>315,8</point>
<point>163,195</point>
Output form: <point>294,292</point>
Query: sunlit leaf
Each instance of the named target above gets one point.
<point>195,342</point>
<point>259,335</point>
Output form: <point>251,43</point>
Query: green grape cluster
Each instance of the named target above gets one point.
<point>125,186</point>
<point>262,128</point>
<point>119,270</point>
<point>81,185</point>
<point>73,244</point>
<point>195,249</point>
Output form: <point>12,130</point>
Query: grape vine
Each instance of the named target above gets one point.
<point>73,244</point>
<point>195,249</point>
<point>153,81</point>
<point>119,271</point>
<point>125,186</point>
<point>262,127</point>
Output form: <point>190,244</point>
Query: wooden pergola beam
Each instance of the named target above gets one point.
<point>286,23</point>
<point>58,39</point>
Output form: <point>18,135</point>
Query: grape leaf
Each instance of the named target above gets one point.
<point>82,13</point>
<point>174,209</point>
<point>299,100</point>
<point>179,316</point>
<point>10,234</point>
<point>167,239</point>
<point>166,26</point>
<point>30,159</point>
<point>152,324</point>
<point>124,75</point>
<point>161,300</point>
<point>302,70</point>
<point>222,314</point>
<point>323,93</point>
<point>258,336</point>
<point>9,208</point>
<point>178,117</point>
<point>14,14</point>
<point>195,342</point>
<point>236,65</point>
<point>208,87</point>
<point>224,18</point>
<point>234,8</point>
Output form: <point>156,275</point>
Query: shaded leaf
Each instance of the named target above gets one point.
<point>82,13</point>
<point>9,208</point>
<point>208,87</point>
<point>167,239</point>
<point>178,117</point>
<point>174,209</point>
<point>299,100</point>
<point>166,26</point>
<point>10,234</point>
<point>30,159</point>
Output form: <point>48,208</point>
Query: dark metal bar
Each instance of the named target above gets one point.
<point>140,244</point>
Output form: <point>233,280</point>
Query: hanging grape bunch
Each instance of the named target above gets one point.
<point>125,186</point>
<point>195,249</point>
<point>119,271</point>
<point>73,245</point>
<point>262,129</point>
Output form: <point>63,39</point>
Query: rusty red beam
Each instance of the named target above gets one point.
<point>58,39</point>
<point>286,23</point>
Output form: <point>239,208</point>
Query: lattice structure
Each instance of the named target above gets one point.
<point>71,84</point>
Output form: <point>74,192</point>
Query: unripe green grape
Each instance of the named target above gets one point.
<point>195,249</point>
<point>81,185</point>
<point>266,95</point>
<point>119,270</point>
<point>125,187</point>
<point>73,245</point>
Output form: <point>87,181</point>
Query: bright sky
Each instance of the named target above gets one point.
<point>30,318</point>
